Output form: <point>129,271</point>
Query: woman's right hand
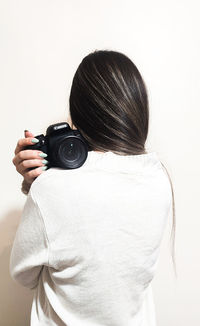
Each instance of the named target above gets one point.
<point>25,159</point>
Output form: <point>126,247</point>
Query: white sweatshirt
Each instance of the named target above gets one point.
<point>89,238</point>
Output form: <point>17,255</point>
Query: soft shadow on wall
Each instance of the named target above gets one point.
<point>12,295</point>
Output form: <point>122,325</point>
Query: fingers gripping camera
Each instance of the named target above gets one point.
<point>66,148</point>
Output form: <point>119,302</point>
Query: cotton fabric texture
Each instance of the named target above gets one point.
<point>89,238</point>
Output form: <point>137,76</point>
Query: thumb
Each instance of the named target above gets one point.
<point>27,133</point>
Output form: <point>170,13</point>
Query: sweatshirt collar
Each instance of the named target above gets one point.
<point>122,163</point>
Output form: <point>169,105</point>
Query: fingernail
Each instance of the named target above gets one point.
<point>45,161</point>
<point>43,155</point>
<point>44,167</point>
<point>35,140</point>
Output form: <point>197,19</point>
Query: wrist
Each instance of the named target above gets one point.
<point>25,187</point>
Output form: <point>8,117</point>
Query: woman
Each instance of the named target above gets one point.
<point>89,238</point>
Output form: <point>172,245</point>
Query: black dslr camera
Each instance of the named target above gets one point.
<point>66,148</point>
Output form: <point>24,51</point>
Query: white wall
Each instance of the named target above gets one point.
<point>42,43</point>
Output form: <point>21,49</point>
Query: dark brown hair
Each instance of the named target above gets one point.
<point>109,105</point>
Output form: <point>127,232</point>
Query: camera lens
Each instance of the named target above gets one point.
<point>72,153</point>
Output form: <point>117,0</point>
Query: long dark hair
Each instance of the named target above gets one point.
<point>109,105</point>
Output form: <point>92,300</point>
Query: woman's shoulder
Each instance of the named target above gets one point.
<point>53,180</point>
<point>44,176</point>
<point>47,179</point>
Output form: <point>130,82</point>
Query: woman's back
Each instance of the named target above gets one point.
<point>102,226</point>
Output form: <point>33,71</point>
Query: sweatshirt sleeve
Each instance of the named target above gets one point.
<point>30,247</point>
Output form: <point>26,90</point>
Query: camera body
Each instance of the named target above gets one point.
<point>66,148</point>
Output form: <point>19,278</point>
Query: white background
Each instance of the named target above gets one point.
<point>42,43</point>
